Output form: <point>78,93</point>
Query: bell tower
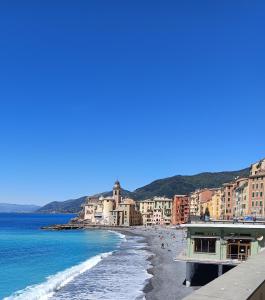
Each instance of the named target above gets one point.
<point>117,193</point>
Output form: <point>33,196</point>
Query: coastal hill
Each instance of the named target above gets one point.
<point>163,187</point>
<point>17,208</point>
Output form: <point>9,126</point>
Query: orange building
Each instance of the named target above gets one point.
<point>180,209</point>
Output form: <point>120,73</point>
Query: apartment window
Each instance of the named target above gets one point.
<point>253,194</point>
<point>253,186</point>
<point>257,186</point>
<point>261,194</point>
<point>252,203</point>
<point>204,245</point>
<point>261,185</point>
<point>257,194</point>
<point>260,203</point>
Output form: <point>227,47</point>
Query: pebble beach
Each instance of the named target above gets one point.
<point>168,275</point>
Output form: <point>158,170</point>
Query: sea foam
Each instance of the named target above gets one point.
<point>55,282</point>
<point>122,236</point>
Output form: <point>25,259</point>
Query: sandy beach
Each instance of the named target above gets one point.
<point>168,275</point>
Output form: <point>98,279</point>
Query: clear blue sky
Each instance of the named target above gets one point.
<point>92,91</point>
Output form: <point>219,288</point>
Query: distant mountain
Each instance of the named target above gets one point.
<point>68,206</point>
<point>17,208</point>
<point>163,187</point>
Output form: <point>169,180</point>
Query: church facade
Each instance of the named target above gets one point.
<point>111,211</point>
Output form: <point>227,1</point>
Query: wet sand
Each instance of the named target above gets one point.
<point>168,275</point>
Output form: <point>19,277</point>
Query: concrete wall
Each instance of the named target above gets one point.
<point>244,282</point>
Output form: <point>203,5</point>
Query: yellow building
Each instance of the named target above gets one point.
<point>156,211</point>
<point>146,210</point>
<point>215,206</point>
<point>213,203</point>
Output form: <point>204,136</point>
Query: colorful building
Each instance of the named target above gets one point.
<point>195,203</point>
<point>147,210</point>
<point>241,197</point>
<point>181,209</point>
<point>228,201</point>
<point>205,197</point>
<point>215,207</point>
<point>256,189</point>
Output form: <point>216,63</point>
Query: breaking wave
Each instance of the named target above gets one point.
<point>55,282</point>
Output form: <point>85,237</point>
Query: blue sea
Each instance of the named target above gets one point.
<point>73,264</point>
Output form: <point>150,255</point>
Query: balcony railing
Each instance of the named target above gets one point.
<point>239,256</point>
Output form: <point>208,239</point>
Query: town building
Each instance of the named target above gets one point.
<point>228,201</point>
<point>256,189</point>
<point>241,197</point>
<point>147,210</point>
<point>195,203</point>
<point>215,206</point>
<point>181,209</point>
<point>156,211</point>
<point>205,196</point>
<point>220,246</point>
<point>111,211</point>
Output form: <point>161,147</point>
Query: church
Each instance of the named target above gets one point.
<point>111,211</point>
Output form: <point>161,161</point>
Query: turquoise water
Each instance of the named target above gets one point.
<point>29,255</point>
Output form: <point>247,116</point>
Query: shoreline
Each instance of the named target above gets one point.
<point>167,275</point>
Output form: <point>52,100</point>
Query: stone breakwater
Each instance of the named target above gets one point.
<point>70,226</point>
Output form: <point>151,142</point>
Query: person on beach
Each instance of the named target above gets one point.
<point>162,246</point>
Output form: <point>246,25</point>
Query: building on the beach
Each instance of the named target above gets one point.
<point>156,211</point>
<point>214,204</point>
<point>162,210</point>
<point>147,210</point>
<point>195,203</point>
<point>180,211</point>
<point>111,211</point>
<point>240,197</point>
<point>228,200</point>
<point>257,189</point>
<point>126,214</point>
<point>220,246</point>
<point>205,197</point>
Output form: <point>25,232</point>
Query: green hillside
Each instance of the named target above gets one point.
<point>186,184</point>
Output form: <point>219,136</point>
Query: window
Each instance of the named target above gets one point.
<point>204,245</point>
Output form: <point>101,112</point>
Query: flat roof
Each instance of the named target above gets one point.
<point>232,225</point>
